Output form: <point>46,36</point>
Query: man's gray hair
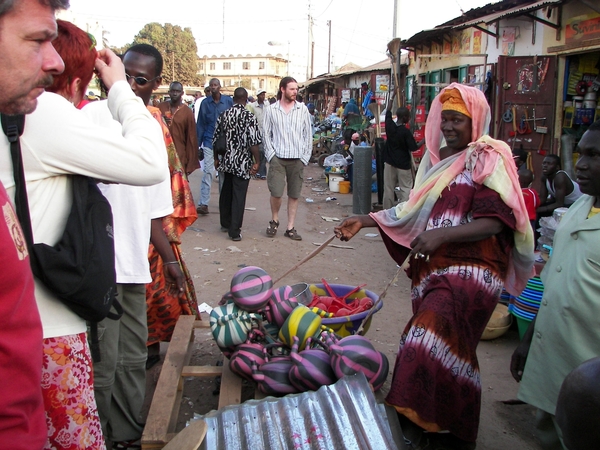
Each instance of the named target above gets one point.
<point>7,5</point>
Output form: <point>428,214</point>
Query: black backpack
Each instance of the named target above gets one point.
<point>80,268</point>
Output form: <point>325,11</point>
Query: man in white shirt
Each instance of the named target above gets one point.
<point>199,98</point>
<point>120,377</point>
<point>288,147</point>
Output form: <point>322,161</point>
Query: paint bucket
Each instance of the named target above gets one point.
<point>334,183</point>
<point>344,187</point>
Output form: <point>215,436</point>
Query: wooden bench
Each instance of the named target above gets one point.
<point>164,409</point>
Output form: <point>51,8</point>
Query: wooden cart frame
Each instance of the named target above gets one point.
<point>164,409</point>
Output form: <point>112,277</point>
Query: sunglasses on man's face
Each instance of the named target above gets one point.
<point>140,81</point>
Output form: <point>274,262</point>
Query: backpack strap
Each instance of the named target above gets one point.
<point>118,309</point>
<point>94,342</point>
<point>13,128</point>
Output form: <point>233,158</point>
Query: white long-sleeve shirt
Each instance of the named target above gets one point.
<point>287,135</point>
<point>59,140</point>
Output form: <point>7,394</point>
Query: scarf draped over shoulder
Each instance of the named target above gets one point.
<point>491,164</point>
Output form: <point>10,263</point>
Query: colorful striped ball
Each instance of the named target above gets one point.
<point>311,370</point>
<point>280,305</point>
<point>241,361</point>
<point>303,323</point>
<point>354,354</point>
<point>378,380</point>
<point>230,325</point>
<point>251,288</point>
<point>272,377</point>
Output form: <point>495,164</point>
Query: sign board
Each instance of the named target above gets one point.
<point>345,95</point>
<point>382,83</point>
<point>582,28</point>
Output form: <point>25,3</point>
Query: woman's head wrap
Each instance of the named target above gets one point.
<point>452,101</point>
<point>478,110</point>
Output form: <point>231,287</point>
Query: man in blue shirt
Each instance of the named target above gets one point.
<point>210,109</point>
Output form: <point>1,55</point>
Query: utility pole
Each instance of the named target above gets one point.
<point>311,45</point>
<point>396,18</point>
<point>329,49</point>
<point>312,59</point>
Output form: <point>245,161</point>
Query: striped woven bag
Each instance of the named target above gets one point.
<point>230,324</point>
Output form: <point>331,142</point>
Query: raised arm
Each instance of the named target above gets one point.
<point>117,141</point>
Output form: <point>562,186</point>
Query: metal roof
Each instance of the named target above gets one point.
<point>486,14</point>
<point>344,415</point>
<point>514,11</point>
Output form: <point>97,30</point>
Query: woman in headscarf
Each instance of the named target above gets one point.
<point>465,233</point>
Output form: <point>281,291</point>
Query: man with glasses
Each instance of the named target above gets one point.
<point>120,377</point>
<point>181,123</point>
<point>210,109</point>
<point>27,63</point>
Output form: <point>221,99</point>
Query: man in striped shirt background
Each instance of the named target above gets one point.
<point>288,147</point>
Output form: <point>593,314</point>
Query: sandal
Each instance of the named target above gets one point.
<point>272,230</point>
<point>293,235</point>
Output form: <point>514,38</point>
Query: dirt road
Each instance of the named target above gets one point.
<point>213,259</point>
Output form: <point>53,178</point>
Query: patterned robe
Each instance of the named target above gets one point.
<point>165,303</point>
<point>436,380</point>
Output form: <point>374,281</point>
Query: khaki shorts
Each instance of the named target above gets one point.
<point>281,170</point>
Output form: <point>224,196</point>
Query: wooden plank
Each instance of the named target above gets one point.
<point>231,387</point>
<point>165,403</point>
<point>189,438</point>
<point>179,394</point>
<point>201,371</point>
<point>201,324</point>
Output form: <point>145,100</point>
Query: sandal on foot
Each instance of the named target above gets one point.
<point>272,230</point>
<point>293,235</point>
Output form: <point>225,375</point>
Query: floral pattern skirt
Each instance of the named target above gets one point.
<point>68,390</point>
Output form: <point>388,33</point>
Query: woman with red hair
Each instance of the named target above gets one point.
<point>466,234</point>
<point>60,140</point>
<point>78,51</point>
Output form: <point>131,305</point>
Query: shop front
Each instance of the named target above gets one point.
<point>578,80</point>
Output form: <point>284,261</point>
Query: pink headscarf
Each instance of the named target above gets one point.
<point>480,118</point>
<point>491,164</point>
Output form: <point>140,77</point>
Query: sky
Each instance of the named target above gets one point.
<point>360,29</point>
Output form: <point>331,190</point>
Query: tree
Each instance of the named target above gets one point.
<point>246,83</point>
<point>178,48</point>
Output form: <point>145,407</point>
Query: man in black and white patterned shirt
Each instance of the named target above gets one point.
<point>239,162</point>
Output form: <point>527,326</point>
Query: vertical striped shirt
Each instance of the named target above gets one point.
<point>287,135</point>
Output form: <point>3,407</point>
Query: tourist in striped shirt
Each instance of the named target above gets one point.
<point>288,147</point>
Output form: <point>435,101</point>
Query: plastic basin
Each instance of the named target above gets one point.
<point>347,325</point>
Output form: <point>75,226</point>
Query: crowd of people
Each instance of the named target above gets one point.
<point>465,231</point>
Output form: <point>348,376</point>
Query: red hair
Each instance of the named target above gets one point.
<point>78,51</point>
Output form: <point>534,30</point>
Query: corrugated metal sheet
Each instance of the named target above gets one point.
<point>515,11</point>
<point>344,415</point>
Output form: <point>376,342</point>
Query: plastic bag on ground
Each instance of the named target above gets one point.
<point>335,160</point>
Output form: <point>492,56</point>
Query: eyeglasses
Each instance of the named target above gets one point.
<point>140,81</point>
